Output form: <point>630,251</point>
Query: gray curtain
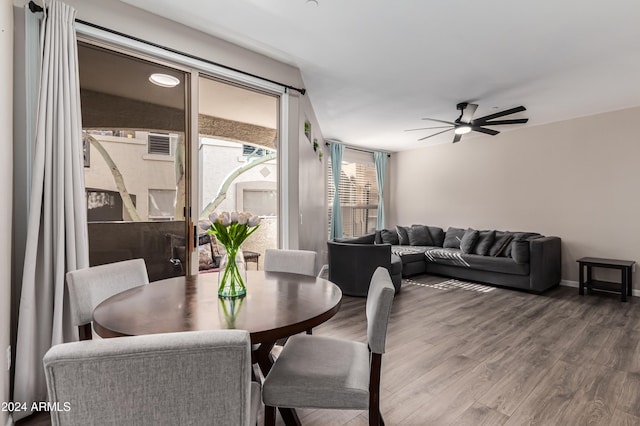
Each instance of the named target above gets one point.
<point>336,212</point>
<point>57,226</point>
<point>381,169</point>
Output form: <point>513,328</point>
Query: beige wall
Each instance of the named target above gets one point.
<point>576,179</point>
<point>6,172</point>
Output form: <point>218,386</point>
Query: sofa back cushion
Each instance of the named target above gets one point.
<point>520,236</point>
<point>453,237</point>
<point>403,236</point>
<point>419,235</point>
<point>387,236</point>
<point>469,241</point>
<point>485,241</point>
<point>500,244</point>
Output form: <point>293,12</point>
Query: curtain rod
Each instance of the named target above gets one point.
<point>357,149</point>
<point>34,8</point>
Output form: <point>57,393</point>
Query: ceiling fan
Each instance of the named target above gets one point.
<point>465,123</point>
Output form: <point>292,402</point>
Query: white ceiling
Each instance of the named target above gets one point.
<point>375,68</point>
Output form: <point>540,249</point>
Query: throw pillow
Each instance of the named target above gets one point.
<point>205,257</point>
<point>419,236</point>
<point>452,238</point>
<point>520,251</point>
<point>403,237</point>
<point>500,244</point>
<point>469,240</point>
<point>485,241</point>
<point>437,235</point>
<point>517,236</point>
<point>389,237</point>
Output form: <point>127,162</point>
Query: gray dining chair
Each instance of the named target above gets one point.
<point>90,286</point>
<point>294,261</point>
<point>189,378</point>
<point>324,372</point>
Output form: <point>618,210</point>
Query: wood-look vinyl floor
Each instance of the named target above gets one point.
<point>461,354</point>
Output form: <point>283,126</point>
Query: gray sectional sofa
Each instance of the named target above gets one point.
<point>523,260</point>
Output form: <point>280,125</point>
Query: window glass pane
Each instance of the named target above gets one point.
<point>161,204</point>
<point>358,191</point>
<point>259,202</point>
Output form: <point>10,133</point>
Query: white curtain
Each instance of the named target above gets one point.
<point>57,227</point>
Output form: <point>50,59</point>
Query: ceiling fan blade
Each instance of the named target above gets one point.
<point>468,112</point>
<point>483,130</point>
<point>457,138</point>
<point>440,121</point>
<point>427,128</point>
<point>435,134</point>
<point>499,122</point>
<point>499,114</point>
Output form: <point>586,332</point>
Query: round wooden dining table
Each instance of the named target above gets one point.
<point>277,305</point>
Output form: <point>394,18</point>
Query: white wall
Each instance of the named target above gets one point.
<point>576,179</point>
<point>6,172</point>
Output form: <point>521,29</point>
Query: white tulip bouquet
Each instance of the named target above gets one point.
<point>231,230</point>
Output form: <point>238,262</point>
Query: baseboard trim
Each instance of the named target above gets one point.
<point>574,284</point>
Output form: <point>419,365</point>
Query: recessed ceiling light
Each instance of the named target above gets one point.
<point>461,130</point>
<point>164,80</point>
<point>312,2</point>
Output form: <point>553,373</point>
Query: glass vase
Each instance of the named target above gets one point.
<point>232,275</point>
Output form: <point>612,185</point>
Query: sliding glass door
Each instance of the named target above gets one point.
<point>238,162</point>
<point>136,138</point>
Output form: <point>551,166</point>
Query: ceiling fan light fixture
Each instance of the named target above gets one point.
<point>164,80</point>
<point>461,130</point>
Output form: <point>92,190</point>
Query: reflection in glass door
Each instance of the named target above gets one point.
<point>238,145</point>
<point>134,132</point>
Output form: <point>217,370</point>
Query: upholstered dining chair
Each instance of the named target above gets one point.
<point>324,372</point>
<point>294,261</point>
<point>90,286</point>
<point>188,378</point>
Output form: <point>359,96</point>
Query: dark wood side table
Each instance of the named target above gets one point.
<point>626,279</point>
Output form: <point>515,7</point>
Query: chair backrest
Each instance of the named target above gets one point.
<point>351,266</point>
<point>89,287</point>
<point>294,261</point>
<point>379,301</point>
<point>200,377</point>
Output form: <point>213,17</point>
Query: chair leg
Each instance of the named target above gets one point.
<point>269,416</point>
<point>375,418</point>
<point>310,331</point>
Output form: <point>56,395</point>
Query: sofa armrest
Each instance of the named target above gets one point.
<point>545,263</point>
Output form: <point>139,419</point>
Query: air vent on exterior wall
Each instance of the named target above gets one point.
<point>159,144</point>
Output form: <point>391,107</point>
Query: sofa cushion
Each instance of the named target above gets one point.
<point>452,238</point>
<point>387,236</point>
<point>500,244</point>
<point>365,239</point>
<point>455,257</point>
<point>485,241</point>
<point>410,254</point>
<point>403,236</point>
<point>419,235</point>
<point>437,235</point>
<point>520,251</point>
<point>517,236</point>
<point>469,240</point>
